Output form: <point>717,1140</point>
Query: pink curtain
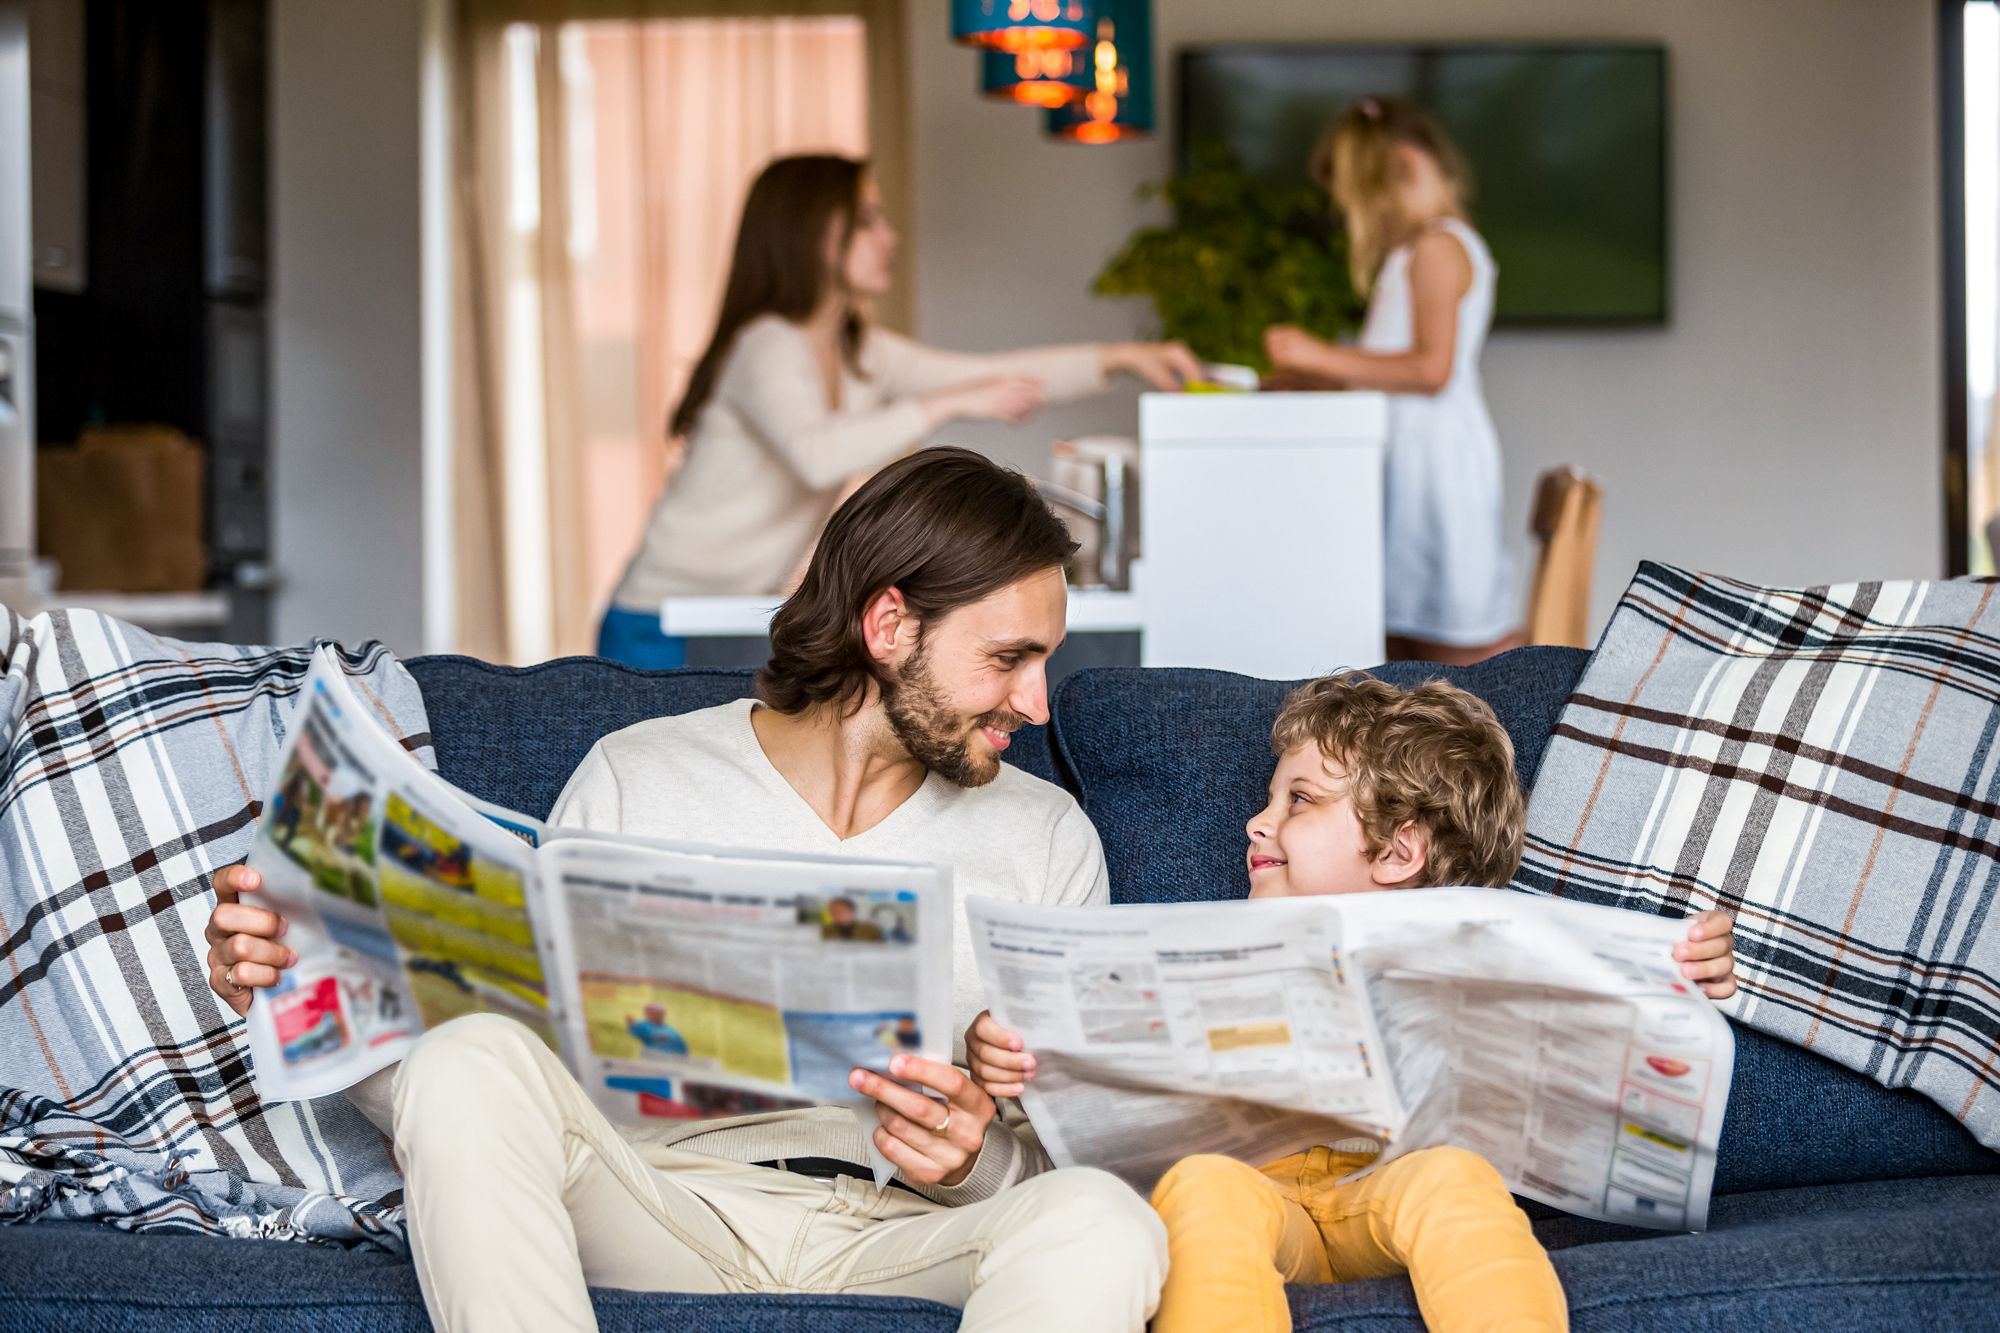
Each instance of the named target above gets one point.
<point>687,112</point>
<point>602,167</point>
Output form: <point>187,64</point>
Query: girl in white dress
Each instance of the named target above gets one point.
<point>1402,187</point>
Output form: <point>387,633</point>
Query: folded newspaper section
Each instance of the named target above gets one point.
<point>675,980</point>
<point>1557,1040</point>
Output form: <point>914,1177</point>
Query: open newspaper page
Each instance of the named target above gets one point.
<point>404,905</point>
<point>713,983</point>
<point>675,980</point>
<point>1160,1031</point>
<point>1556,1039</point>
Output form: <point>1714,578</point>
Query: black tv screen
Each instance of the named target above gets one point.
<point>1567,144</point>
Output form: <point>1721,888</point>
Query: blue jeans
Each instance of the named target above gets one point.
<point>636,639</point>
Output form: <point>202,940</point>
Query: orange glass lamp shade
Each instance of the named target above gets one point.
<point>1118,104</point>
<point>1022,25</point>
<point>1051,76</point>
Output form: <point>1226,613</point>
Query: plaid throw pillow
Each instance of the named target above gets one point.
<point>1821,762</point>
<point>134,767</point>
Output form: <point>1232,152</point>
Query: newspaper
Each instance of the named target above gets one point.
<point>1557,1040</point>
<point>676,981</point>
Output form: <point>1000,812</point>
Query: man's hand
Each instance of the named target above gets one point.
<point>1708,955</point>
<point>996,1059</point>
<point>929,1142</point>
<point>243,952</point>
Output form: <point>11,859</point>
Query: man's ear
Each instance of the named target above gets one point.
<point>1401,863</point>
<point>887,627</point>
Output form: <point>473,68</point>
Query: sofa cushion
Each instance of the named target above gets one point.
<point>1891,1255</point>
<point>91,1279</point>
<point>1901,1254</point>
<point>1169,763</point>
<point>514,734</point>
<point>1797,1118</point>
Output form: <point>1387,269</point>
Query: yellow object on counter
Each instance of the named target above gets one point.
<point>1220,377</point>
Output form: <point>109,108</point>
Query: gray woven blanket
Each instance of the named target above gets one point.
<point>134,768</point>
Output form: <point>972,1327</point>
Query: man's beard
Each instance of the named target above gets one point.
<point>935,736</point>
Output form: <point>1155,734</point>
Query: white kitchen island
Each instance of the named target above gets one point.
<point>1091,611</point>
<point>1261,525</point>
<point>1261,521</point>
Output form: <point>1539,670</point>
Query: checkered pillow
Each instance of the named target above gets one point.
<point>1823,763</point>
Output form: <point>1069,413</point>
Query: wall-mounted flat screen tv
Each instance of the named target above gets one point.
<point>1567,143</point>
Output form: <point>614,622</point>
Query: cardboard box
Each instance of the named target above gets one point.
<point>121,511</point>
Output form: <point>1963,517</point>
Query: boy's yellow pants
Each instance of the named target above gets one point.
<point>1237,1234</point>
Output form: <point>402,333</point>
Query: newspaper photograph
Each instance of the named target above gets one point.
<point>1557,1040</point>
<point>675,980</point>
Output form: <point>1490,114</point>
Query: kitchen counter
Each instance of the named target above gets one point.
<point>1091,611</point>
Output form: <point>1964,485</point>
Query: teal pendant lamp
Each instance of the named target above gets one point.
<point>1052,76</point>
<point>1021,25</point>
<point>1118,102</point>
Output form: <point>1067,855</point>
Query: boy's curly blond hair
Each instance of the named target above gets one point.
<point>1434,756</point>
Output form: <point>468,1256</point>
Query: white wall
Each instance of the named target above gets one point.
<point>346,367</point>
<point>1784,427</point>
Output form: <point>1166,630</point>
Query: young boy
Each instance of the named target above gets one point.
<point>1375,788</point>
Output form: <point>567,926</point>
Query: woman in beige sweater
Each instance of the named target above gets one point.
<point>797,399</point>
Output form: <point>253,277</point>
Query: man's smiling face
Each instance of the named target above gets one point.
<point>977,674</point>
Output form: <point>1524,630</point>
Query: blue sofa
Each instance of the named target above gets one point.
<point>1839,1204</point>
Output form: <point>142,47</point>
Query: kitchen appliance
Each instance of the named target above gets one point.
<point>1097,479</point>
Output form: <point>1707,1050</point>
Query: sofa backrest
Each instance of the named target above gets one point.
<point>1169,763</point>
<point>514,734</point>
<point>1796,1118</point>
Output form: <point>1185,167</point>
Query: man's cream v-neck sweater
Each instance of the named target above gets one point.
<point>704,777</point>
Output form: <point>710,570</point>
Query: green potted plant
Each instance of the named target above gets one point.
<point>1241,255</point>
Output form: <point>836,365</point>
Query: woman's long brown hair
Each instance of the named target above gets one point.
<point>779,268</point>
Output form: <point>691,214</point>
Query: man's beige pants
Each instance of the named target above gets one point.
<point>521,1195</point>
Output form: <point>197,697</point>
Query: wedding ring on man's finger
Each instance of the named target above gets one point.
<point>941,1126</point>
<point>229,980</point>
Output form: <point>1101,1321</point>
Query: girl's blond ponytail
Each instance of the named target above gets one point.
<point>1356,163</point>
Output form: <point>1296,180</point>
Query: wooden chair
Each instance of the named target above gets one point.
<point>1567,506</point>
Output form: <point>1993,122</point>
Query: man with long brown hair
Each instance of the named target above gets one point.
<point>915,647</point>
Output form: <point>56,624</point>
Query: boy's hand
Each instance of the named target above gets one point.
<point>1708,955</point>
<point>996,1059</point>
